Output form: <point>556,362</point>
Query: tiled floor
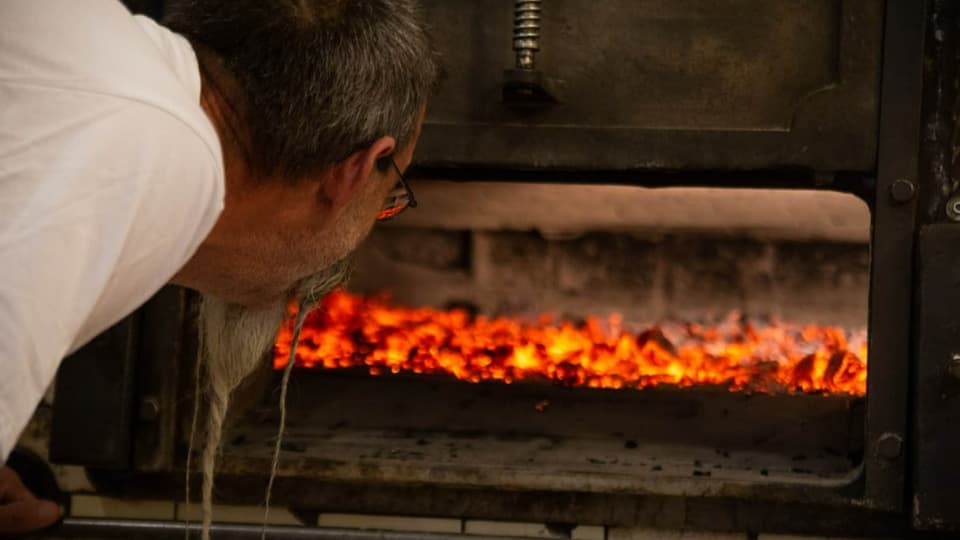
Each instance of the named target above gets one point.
<point>661,534</point>
<point>531,530</point>
<point>792,537</point>
<point>391,523</point>
<point>92,506</point>
<point>237,514</point>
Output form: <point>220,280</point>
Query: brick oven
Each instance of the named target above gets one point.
<point>689,164</point>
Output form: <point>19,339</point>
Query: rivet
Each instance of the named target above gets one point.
<point>953,208</point>
<point>903,190</point>
<point>890,446</point>
<point>953,368</point>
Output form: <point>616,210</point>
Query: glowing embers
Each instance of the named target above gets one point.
<point>349,331</point>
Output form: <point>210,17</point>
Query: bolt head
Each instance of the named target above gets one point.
<point>953,208</point>
<point>953,366</point>
<point>903,190</point>
<point>890,446</point>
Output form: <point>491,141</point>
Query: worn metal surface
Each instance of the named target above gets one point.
<point>540,437</point>
<point>691,84</point>
<point>892,243</point>
<point>936,410</point>
<point>936,418</point>
<point>936,389</point>
<point>940,148</point>
<point>94,400</point>
<point>164,350</point>
<point>444,448</point>
<point>666,84</point>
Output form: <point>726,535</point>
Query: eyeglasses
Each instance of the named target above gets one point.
<point>399,199</point>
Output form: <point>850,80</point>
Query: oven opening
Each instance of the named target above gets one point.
<point>613,339</point>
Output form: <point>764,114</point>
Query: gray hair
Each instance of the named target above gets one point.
<point>320,79</point>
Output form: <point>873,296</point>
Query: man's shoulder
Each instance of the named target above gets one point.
<point>111,179</point>
<point>97,47</point>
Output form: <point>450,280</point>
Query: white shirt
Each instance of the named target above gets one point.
<point>110,177</point>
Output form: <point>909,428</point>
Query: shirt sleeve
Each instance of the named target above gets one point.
<point>102,200</point>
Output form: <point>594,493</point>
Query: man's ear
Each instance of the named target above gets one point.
<point>349,176</point>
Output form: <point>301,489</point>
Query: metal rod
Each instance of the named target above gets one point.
<point>174,530</point>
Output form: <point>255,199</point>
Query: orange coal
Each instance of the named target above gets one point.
<point>350,331</point>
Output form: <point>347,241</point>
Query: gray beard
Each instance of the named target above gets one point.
<point>234,341</point>
<point>237,338</point>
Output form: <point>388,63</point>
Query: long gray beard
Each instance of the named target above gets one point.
<point>234,340</point>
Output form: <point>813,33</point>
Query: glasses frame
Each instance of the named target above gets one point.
<point>399,199</point>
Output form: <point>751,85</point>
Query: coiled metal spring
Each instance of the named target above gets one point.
<point>526,31</point>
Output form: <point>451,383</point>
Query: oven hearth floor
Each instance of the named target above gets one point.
<point>434,431</point>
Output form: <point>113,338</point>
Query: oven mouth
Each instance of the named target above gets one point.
<point>355,422</point>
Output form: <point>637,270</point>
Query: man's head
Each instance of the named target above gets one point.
<point>312,99</point>
<point>314,102</point>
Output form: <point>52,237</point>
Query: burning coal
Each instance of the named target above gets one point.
<point>349,331</point>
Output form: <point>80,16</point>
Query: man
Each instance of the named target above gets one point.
<point>238,149</point>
